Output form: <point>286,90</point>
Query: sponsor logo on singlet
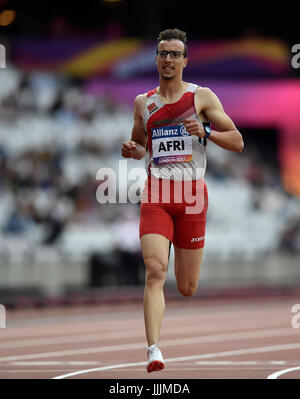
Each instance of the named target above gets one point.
<point>171,144</point>
<point>168,121</point>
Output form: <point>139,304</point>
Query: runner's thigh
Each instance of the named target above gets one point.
<point>155,248</point>
<point>187,269</point>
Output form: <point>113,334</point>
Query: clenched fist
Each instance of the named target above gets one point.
<point>128,149</point>
<point>194,127</point>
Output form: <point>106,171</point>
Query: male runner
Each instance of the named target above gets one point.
<point>168,128</point>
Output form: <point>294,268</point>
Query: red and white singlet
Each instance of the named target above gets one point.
<point>172,152</point>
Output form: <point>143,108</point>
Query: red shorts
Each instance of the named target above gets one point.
<point>180,216</point>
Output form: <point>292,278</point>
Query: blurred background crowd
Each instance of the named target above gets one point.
<point>61,121</point>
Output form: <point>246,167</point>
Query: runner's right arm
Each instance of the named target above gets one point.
<point>136,147</point>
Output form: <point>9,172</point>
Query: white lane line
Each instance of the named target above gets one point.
<point>281,372</point>
<point>241,363</point>
<point>262,349</point>
<point>70,339</point>
<point>55,363</point>
<point>122,316</point>
<point>3,372</point>
<point>245,335</point>
<point>112,326</point>
<point>66,339</point>
<point>100,336</point>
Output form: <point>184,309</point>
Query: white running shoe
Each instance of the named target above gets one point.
<point>155,359</point>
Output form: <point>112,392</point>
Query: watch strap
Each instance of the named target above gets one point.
<point>207,124</point>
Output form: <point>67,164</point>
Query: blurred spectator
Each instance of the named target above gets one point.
<point>126,231</point>
<point>290,240</point>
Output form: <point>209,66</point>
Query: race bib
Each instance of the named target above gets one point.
<point>171,144</point>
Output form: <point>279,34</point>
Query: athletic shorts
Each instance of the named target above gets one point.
<point>175,210</point>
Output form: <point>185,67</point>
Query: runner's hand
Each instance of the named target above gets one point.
<point>194,127</point>
<point>128,149</point>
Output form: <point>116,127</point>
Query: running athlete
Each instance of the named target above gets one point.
<point>171,128</point>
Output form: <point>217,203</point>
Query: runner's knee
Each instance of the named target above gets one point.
<point>187,289</point>
<point>156,270</point>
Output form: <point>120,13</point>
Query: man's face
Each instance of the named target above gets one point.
<point>168,67</point>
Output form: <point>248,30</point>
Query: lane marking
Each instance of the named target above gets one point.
<point>281,372</point>
<point>172,342</point>
<point>27,371</point>
<point>225,310</point>
<point>55,363</point>
<point>262,349</point>
<point>63,339</point>
<point>98,336</point>
<point>22,330</point>
<point>241,363</point>
<point>69,339</point>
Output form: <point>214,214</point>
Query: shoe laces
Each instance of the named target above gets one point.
<point>152,348</point>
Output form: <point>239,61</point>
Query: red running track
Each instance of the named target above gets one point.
<point>200,339</point>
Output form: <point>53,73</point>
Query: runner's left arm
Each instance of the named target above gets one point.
<point>227,135</point>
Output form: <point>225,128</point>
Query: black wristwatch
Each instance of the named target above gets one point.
<point>207,129</point>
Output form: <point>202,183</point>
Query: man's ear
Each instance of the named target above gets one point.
<point>185,62</point>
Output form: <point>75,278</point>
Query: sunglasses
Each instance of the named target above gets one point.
<point>173,53</point>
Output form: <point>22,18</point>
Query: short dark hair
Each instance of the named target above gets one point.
<point>170,34</point>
